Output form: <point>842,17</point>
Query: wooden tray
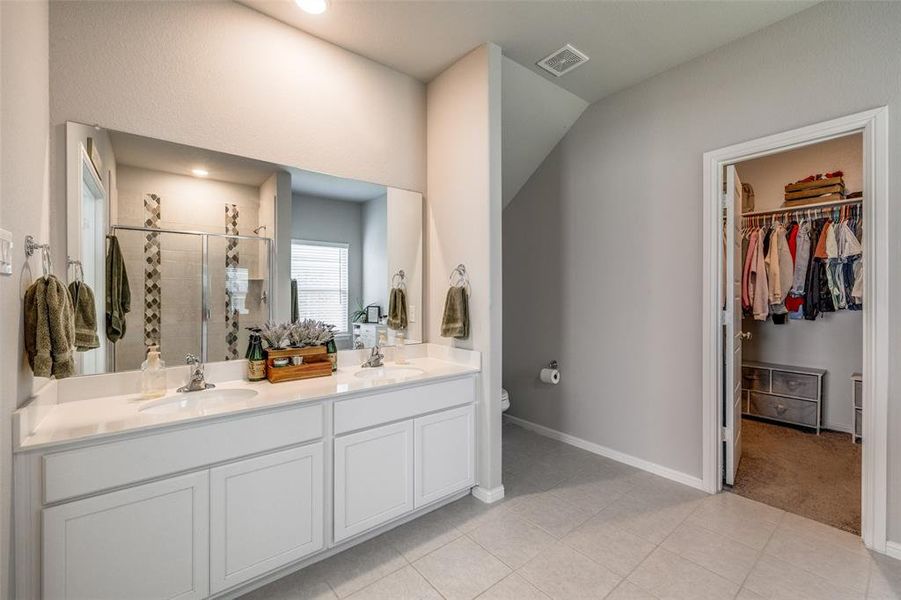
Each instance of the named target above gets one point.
<point>316,363</point>
<point>794,187</point>
<point>815,191</point>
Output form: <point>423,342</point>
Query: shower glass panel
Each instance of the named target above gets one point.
<point>165,278</point>
<point>239,293</point>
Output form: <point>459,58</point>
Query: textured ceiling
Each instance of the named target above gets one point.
<point>627,41</point>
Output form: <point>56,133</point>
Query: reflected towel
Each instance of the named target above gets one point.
<point>295,310</point>
<point>85,317</point>
<point>397,309</point>
<point>118,294</point>
<point>455,322</point>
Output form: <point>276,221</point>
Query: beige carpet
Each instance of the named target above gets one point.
<point>813,476</point>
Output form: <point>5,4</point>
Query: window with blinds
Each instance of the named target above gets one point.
<point>320,269</point>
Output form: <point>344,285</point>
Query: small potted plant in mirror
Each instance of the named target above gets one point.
<point>297,350</point>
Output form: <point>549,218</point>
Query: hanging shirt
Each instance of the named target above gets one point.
<point>795,299</point>
<point>834,269</point>
<point>747,295</point>
<point>758,284</point>
<point>779,268</point>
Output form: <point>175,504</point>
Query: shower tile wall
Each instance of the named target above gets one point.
<point>232,264</point>
<point>152,305</point>
<point>192,204</point>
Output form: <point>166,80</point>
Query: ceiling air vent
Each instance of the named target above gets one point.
<point>563,60</point>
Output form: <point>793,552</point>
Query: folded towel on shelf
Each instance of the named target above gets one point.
<point>397,309</point>
<point>49,328</point>
<point>85,316</point>
<point>455,322</point>
<point>118,295</point>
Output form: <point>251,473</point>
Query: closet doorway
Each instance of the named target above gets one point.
<point>798,280</point>
<point>781,370</point>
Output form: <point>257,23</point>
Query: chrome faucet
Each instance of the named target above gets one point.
<point>376,358</point>
<point>196,382</point>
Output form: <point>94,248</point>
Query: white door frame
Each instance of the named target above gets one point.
<point>874,126</point>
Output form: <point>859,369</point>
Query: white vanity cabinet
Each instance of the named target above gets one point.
<point>149,541</point>
<point>265,512</point>
<point>444,449</point>
<point>373,478</point>
<point>208,509</point>
<point>386,471</point>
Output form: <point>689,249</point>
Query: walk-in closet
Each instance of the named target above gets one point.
<point>802,268</point>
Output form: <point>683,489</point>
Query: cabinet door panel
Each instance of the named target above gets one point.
<point>146,542</point>
<point>265,512</point>
<point>444,454</point>
<point>373,478</point>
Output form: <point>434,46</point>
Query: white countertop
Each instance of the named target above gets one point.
<point>100,417</point>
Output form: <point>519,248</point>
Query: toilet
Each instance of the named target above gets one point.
<point>505,400</point>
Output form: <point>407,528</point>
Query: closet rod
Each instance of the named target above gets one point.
<point>816,206</point>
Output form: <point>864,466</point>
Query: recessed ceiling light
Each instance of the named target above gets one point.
<point>200,172</point>
<point>314,7</point>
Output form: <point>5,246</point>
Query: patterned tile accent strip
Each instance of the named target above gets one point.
<point>232,261</point>
<point>153,291</point>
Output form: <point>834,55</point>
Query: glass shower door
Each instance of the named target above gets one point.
<point>165,279</point>
<point>238,293</point>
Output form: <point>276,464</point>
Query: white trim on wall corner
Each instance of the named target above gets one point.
<point>488,496</point>
<point>628,459</point>
<point>893,550</point>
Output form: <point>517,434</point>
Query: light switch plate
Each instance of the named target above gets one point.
<point>6,252</point>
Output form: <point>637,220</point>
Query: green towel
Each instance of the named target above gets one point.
<point>118,295</point>
<point>49,328</point>
<point>397,309</point>
<point>85,317</point>
<point>455,322</point>
<point>295,310</point>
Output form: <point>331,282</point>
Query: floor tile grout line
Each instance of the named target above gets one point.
<point>503,562</point>
<point>808,571</point>
<point>427,580</point>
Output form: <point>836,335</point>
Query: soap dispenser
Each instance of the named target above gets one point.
<point>153,374</point>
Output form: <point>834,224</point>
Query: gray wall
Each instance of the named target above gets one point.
<point>375,252</point>
<point>327,220</point>
<point>602,247</point>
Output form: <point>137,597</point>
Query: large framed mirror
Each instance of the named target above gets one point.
<point>185,249</point>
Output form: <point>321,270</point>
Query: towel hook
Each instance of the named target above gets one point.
<point>79,270</point>
<point>32,246</point>
<point>399,279</point>
<point>462,278</point>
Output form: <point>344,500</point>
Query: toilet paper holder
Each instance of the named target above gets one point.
<point>553,365</point>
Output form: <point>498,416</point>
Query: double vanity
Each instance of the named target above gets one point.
<point>209,494</point>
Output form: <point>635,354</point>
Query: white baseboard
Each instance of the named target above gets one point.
<point>893,549</point>
<point>488,496</point>
<point>627,459</point>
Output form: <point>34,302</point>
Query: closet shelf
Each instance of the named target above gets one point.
<point>815,206</point>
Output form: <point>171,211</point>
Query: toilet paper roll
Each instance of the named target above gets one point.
<point>551,376</point>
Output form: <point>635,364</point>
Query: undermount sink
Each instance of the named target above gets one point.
<point>206,399</point>
<point>389,373</point>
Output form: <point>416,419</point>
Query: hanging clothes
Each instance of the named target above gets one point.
<point>851,254</point>
<point>812,280</point>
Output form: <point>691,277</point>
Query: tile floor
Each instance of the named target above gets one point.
<point>578,526</point>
